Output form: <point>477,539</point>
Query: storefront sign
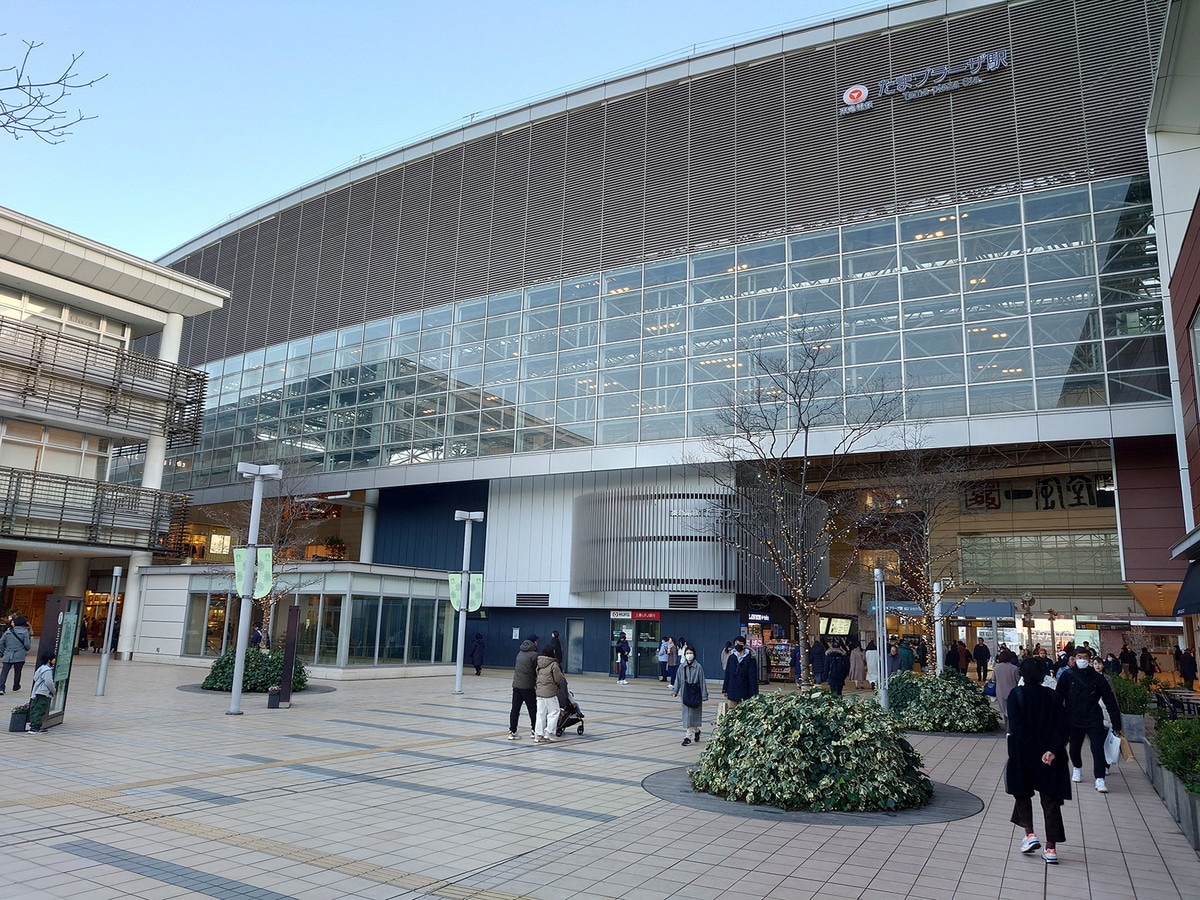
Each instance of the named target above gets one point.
<point>621,614</point>
<point>758,617</point>
<point>645,615</point>
<point>937,79</point>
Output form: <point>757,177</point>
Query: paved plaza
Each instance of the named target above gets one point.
<point>402,789</point>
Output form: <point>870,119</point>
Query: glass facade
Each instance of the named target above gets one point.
<point>1040,301</point>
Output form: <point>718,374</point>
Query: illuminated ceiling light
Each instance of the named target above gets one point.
<point>997,335</point>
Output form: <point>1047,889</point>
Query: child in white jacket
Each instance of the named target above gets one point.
<point>43,691</point>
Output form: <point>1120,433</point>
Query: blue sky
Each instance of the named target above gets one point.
<point>211,107</point>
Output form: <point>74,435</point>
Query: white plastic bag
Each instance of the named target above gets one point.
<point>1112,748</point>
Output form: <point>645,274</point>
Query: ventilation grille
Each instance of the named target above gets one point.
<point>744,152</point>
<point>683,601</point>
<point>527,600</point>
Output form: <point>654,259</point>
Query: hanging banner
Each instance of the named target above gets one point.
<point>474,591</point>
<point>263,573</point>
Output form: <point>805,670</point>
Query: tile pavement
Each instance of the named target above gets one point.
<point>401,789</point>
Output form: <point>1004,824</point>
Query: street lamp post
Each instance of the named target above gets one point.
<point>464,594</point>
<point>1052,615</point>
<point>1027,619</point>
<point>102,677</point>
<point>881,637</point>
<point>938,639</point>
<point>259,474</point>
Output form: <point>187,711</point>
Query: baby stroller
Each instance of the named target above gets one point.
<point>570,715</point>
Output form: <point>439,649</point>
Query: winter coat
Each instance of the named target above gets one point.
<point>1078,692</point>
<point>672,655</point>
<point>477,651</point>
<point>43,682</point>
<point>525,670</point>
<point>837,667</point>
<point>816,656</point>
<point>858,664</point>
<point>662,651</point>
<point>741,677</point>
<point>906,657</point>
<point>1187,667</point>
<point>982,654</point>
<point>690,674</point>
<point>15,644</point>
<point>1006,675</point>
<point>1146,662</point>
<point>894,663</point>
<point>1036,724</point>
<point>549,676</point>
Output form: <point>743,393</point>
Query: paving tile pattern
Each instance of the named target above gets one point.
<point>404,790</point>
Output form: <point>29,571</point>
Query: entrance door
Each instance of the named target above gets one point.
<point>574,646</point>
<point>647,649</point>
<point>619,627</point>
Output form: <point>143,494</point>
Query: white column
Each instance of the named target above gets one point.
<point>78,570</point>
<point>370,515</point>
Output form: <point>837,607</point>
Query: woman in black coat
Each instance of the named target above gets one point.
<point>1037,759</point>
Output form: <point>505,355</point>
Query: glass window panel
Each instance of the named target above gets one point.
<point>621,431</point>
<point>581,434</point>
<point>1140,387</point>
<point>989,304</point>
<point>324,341</point>
<point>762,253</point>
<point>664,428</point>
<point>621,280</point>
<point>866,378</point>
<point>329,630</point>
<point>973,217</point>
<point>760,307</point>
<point>713,368</point>
<point>711,315</point>
<point>409,323</point>
<point>664,297</point>
<point>664,399</point>
<point>393,627</point>
<point>581,360</point>
<point>757,281</point>
<point>497,444</point>
<point>364,630</point>
<point>541,342</point>
<point>622,354</point>
<point>712,340</point>
<point>872,319</point>
<point>578,312</point>
<point>584,286</point>
<point>991,399</point>
<point>721,287</point>
<point>710,395</point>
<point>542,296</point>
<point>621,304</point>
<point>998,244</point>
<point>582,409</point>
<point>870,263</point>
<point>614,380</point>
<point>947,370</point>
<point>468,355</point>
<point>433,317</point>
<point>933,342</point>
<point>535,413</point>
<point>533,391</point>
<point>867,235</point>
<point>1003,365</point>
<point>1061,328</point>
<point>1115,193</point>
<point>936,404</point>
<point>498,418</point>
<point>1122,289</point>
<point>1067,359</point>
<point>406,345</point>
<point>502,372</point>
<point>537,319</point>
<point>871,290</point>
<point>422,630</point>
<point>1061,264</point>
<point>713,262</point>
<point>470,310</point>
<point>1127,256</point>
<point>575,337</point>
<point>1058,393</point>
<point>926,313</point>
<point>616,406</point>
<point>1135,352</point>
<point>672,321</point>
<point>811,272</point>
<point>998,335</point>
<point>539,366</point>
<point>502,349</point>
<point>671,346</point>
<point>814,244</point>
<point>764,334</point>
<point>435,360</point>
<point>1146,318</point>
<point>929,254</point>
<point>1055,204</point>
<point>582,385</point>
<point>872,349</point>
<point>943,282</point>
<point>665,271</point>
<point>500,326</point>
<point>624,329</point>
<point>998,273</point>
<point>532,440</point>
<point>928,226</point>
<point>1123,224</point>
<point>503,303</point>
<point>824,298</point>
<point>1058,235</point>
<point>1063,295</point>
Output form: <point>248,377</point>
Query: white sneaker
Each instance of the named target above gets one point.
<point>1101,786</point>
<point>1077,775</point>
<point>1030,844</point>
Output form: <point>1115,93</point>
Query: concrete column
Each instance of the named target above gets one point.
<point>370,515</point>
<point>78,570</point>
<point>131,609</point>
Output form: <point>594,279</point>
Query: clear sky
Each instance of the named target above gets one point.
<point>211,107</point>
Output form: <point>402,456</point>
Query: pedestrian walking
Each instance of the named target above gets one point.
<point>547,683</point>
<point>983,656</point>
<point>14,645</point>
<point>1006,675</point>
<point>837,667</point>
<point>858,665</point>
<point>692,690</point>
<point>672,660</point>
<point>42,694</point>
<point>1187,667</point>
<point>553,648</point>
<point>741,674</point>
<point>1081,690</point>
<point>478,649</point>
<point>622,659</point>
<point>816,658</point>
<point>1037,733</point>
<point>662,660</point>
<point>524,684</point>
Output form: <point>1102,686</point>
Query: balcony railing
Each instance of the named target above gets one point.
<point>128,395</point>
<point>58,509</point>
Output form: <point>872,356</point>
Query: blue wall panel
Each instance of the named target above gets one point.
<point>416,526</point>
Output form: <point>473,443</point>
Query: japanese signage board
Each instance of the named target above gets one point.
<point>926,81</point>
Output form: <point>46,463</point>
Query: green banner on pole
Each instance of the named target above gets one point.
<point>474,588</point>
<point>263,573</point>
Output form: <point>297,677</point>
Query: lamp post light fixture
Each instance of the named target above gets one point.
<point>259,474</point>
<point>938,639</point>
<point>881,649</point>
<point>467,518</point>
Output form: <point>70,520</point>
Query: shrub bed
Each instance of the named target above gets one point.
<point>1178,744</point>
<point>812,751</point>
<point>1132,698</point>
<point>946,702</point>
<point>263,670</point>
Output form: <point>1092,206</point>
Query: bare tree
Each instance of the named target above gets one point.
<point>777,452</point>
<point>34,103</point>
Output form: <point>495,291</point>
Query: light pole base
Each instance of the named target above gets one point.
<point>230,712</point>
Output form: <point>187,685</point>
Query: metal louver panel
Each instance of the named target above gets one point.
<point>624,197</point>
<point>533,600</point>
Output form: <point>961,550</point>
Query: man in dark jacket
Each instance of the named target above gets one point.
<point>1081,690</point>
<point>1187,667</point>
<point>983,656</point>
<point>816,656</point>
<point>524,685</point>
<point>741,674</point>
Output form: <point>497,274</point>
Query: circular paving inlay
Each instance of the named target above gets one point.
<point>949,804</point>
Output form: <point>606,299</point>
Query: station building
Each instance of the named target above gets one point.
<point>541,314</point>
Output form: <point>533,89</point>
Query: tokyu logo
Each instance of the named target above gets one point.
<point>856,93</point>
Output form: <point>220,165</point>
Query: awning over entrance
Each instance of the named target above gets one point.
<point>1188,601</point>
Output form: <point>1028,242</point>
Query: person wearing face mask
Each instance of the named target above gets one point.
<point>1081,690</point>
<point>692,690</point>
<point>741,674</point>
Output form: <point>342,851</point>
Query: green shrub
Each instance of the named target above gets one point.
<point>1132,698</point>
<point>812,751</point>
<point>263,670</point>
<point>946,702</point>
<point>1178,744</point>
